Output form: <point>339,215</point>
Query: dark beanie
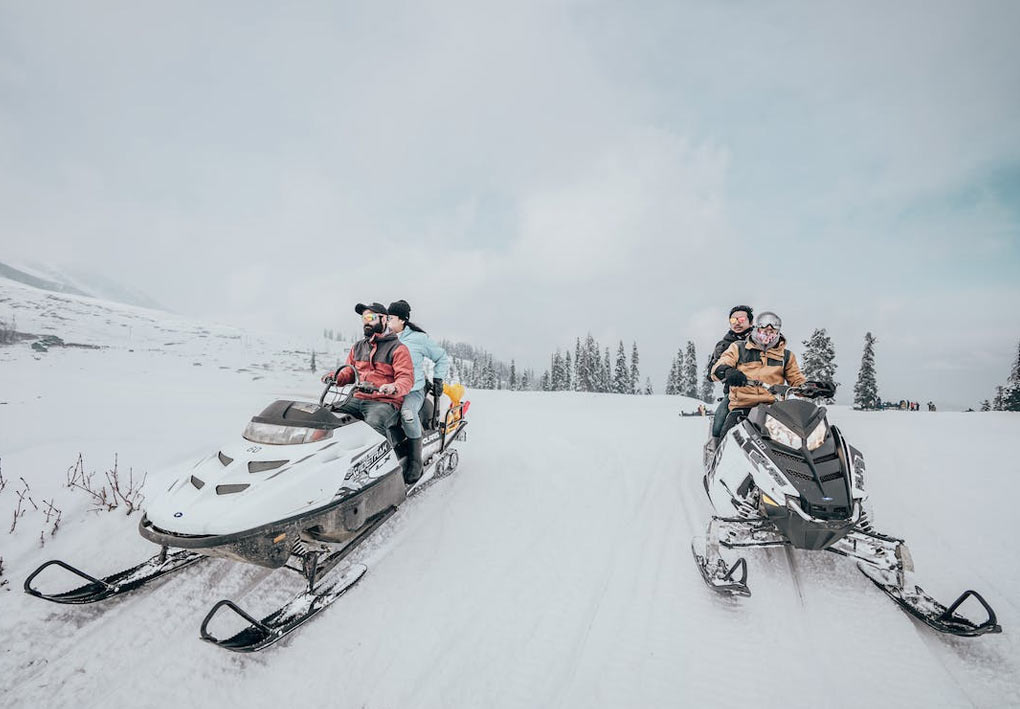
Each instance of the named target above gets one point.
<point>401,309</point>
<point>746,309</point>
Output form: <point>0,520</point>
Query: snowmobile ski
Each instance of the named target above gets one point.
<point>304,606</point>
<point>260,634</point>
<point>717,574</point>
<point>116,584</point>
<point>929,611</point>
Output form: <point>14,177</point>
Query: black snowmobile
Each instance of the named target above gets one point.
<point>784,476</point>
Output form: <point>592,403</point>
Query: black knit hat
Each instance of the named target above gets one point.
<point>746,309</point>
<point>400,308</point>
<point>374,307</point>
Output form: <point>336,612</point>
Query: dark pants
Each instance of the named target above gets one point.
<point>720,416</point>
<point>732,419</point>
<point>377,414</point>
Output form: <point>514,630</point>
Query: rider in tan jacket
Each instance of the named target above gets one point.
<point>762,358</point>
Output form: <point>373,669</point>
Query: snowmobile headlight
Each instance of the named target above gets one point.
<point>769,502</point>
<point>781,434</point>
<point>274,434</point>
<point>817,437</point>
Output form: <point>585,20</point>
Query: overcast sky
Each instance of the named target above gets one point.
<point>525,172</point>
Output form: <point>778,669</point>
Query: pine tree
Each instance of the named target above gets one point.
<point>556,372</point>
<point>544,383</point>
<point>819,361</point>
<point>513,375</point>
<point>866,389</point>
<point>648,386</point>
<point>568,372</point>
<point>313,360</point>
<point>635,378</point>
<point>998,400</point>
<point>621,375</point>
<point>607,374</point>
<point>985,406</point>
<point>577,365</point>
<point>587,361</point>
<point>1011,392</point>
<point>707,385</point>
<point>672,381</point>
<point>690,372</point>
<point>525,380</point>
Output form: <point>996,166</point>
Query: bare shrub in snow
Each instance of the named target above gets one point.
<point>20,509</point>
<point>110,495</point>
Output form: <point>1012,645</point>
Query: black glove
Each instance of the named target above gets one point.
<point>736,378</point>
<point>437,388</point>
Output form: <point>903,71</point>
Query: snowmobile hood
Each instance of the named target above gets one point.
<point>247,485</point>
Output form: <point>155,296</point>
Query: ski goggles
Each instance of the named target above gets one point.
<point>371,317</point>
<point>766,328</point>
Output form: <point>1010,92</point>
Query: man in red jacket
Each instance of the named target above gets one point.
<point>382,360</point>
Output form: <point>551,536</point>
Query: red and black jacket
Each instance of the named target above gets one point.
<point>381,359</point>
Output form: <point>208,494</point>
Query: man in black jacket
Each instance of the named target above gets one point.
<point>741,319</point>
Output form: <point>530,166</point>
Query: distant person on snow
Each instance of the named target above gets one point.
<point>741,319</point>
<point>380,359</point>
<point>420,346</point>
<point>762,357</point>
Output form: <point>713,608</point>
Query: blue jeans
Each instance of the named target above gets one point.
<point>410,413</point>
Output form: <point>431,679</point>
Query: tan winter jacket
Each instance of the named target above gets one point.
<point>767,367</point>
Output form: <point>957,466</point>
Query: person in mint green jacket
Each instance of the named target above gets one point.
<point>421,347</point>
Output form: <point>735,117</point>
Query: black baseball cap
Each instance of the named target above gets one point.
<point>374,307</point>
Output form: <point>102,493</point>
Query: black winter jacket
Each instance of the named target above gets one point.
<point>724,344</point>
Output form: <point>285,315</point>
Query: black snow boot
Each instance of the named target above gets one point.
<point>412,464</point>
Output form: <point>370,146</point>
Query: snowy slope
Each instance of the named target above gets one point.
<point>552,570</point>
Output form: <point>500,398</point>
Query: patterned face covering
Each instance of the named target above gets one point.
<point>765,336</point>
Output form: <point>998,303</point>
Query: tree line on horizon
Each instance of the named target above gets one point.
<point>591,369</point>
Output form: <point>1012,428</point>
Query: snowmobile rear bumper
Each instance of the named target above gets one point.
<point>270,545</point>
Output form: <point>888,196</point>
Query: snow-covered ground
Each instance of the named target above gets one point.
<point>552,570</point>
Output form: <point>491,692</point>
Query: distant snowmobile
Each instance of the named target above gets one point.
<point>301,489</point>
<point>785,477</point>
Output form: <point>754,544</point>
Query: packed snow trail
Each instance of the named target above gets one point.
<point>552,569</point>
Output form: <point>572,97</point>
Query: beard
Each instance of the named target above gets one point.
<point>373,328</point>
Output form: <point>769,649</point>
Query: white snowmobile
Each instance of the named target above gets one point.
<point>785,477</point>
<point>300,489</point>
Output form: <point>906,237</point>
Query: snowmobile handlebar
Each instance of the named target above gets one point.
<point>808,390</point>
<point>331,383</point>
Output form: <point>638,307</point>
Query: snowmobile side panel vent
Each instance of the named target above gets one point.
<point>231,489</point>
<point>198,483</point>
<point>225,459</point>
<point>260,466</point>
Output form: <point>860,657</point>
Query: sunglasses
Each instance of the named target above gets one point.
<point>371,317</point>
<point>741,319</point>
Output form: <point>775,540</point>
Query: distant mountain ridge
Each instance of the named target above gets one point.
<point>89,285</point>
